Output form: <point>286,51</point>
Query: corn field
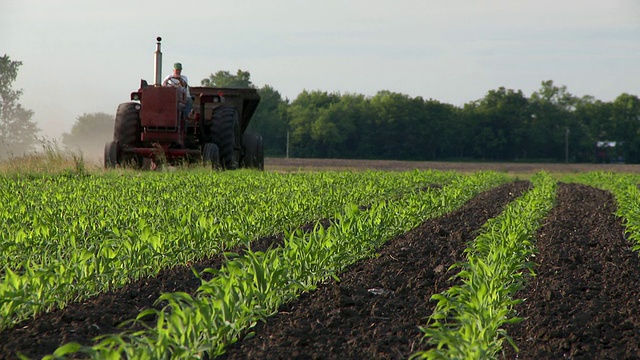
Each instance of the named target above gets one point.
<point>421,264</point>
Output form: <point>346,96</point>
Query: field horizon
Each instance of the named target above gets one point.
<point>309,164</point>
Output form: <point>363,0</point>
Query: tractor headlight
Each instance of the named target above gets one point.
<point>210,98</point>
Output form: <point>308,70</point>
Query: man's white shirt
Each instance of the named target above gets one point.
<point>182,82</point>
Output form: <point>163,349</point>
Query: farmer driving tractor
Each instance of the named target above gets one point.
<point>182,82</point>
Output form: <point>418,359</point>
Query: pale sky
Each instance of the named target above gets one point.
<point>86,56</point>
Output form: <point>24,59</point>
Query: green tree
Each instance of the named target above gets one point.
<point>558,96</point>
<point>626,122</point>
<point>500,123</point>
<point>592,124</point>
<point>552,115</point>
<point>18,132</point>
<point>224,79</point>
<point>89,133</point>
<point>444,131</point>
<point>352,116</point>
<point>334,131</point>
<point>394,112</point>
<point>306,139</point>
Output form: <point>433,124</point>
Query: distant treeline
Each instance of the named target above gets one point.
<point>551,125</point>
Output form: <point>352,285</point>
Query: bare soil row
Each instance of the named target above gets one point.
<point>584,302</point>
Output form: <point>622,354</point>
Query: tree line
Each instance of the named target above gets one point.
<point>504,125</point>
<point>550,125</point>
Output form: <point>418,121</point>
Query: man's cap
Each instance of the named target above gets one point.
<point>177,66</point>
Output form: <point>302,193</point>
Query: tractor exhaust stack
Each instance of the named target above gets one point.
<point>158,63</point>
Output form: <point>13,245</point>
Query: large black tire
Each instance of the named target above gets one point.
<point>225,132</point>
<point>127,125</point>
<point>253,151</point>
<point>111,154</point>
<point>211,155</point>
<point>126,131</point>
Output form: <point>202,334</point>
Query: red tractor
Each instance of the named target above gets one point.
<point>152,129</point>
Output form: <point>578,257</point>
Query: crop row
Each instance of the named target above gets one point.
<point>65,238</point>
<point>251,287</point>
<point>468,319</point>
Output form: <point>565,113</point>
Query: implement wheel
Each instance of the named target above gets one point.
<point>253,151</point>
<point>225,132</point>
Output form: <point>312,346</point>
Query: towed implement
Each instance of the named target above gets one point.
<point>152,128</point>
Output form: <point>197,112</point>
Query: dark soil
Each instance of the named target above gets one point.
<point>584,302</point>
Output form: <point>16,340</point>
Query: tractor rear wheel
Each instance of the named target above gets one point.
<point>254,151</point>
<point>211,155</point>
<point>225,132</point>
<point>126,130</point>
<point>111,154</point>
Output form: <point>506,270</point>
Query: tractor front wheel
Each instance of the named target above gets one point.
<point>127,132</point>
<point>127,124</point>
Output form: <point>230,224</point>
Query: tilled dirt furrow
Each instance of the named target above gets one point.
<point>375,310</point>
<point>584,302</point>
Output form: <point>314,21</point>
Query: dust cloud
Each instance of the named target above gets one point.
<point>87,145</point>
